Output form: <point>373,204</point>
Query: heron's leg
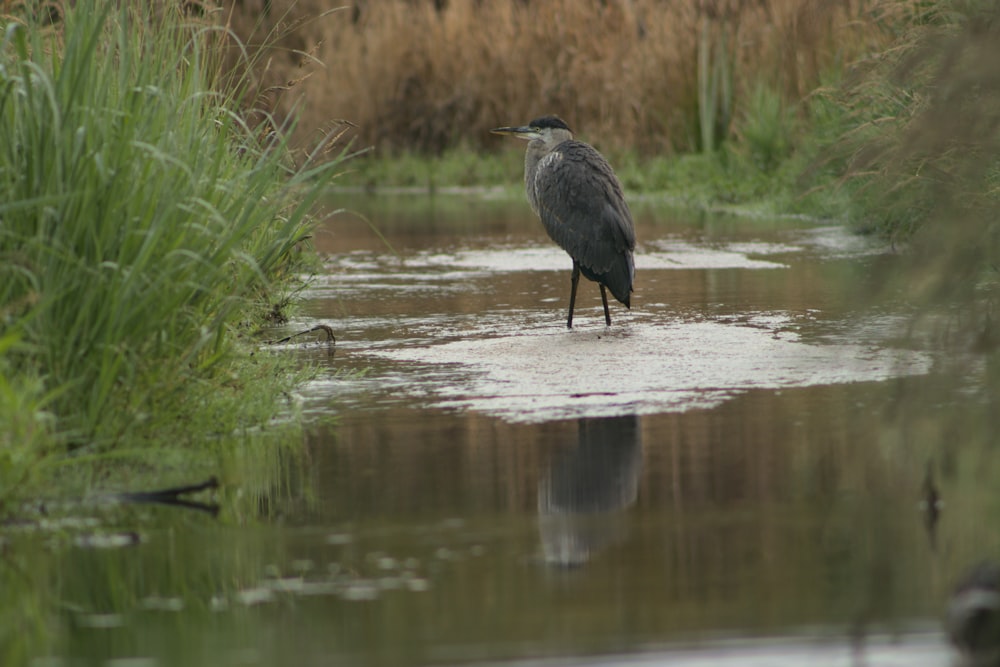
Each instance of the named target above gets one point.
<point>574,281</point>
<point>604,300</point>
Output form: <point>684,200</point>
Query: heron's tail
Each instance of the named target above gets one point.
<point>618,279</point>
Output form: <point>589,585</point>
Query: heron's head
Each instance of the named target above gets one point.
<point>550,130</point>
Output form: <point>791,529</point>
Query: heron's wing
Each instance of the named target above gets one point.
<point>581,205</point>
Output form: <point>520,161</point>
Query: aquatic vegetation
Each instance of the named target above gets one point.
<point>146,223</point>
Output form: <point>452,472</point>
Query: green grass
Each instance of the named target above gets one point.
<point>458,167</point>
<point>142,222</point>
<point>771,171</point>
<point>25,425</point>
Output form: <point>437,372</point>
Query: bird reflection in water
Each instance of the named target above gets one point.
<point>581,499</point>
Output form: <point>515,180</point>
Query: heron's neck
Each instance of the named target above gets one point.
<point>537,152</point>
<point>531,158</point>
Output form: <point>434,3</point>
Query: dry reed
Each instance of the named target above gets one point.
<point>422,75</point>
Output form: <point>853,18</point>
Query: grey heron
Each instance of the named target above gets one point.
<point>575,193</point>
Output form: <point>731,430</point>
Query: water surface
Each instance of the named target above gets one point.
<point>702,478</point>
<point>731,474</point>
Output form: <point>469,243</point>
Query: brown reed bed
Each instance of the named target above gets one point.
<point>649,75</point>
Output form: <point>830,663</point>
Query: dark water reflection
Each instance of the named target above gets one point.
<point>740,484</point>
<point>582,496</point>
<point>684,528</point>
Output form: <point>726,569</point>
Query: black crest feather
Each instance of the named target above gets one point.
<point>550,121</point>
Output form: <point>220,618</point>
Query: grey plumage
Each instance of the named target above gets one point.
<point>575,193</point>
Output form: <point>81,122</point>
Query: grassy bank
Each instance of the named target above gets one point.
<point>727,179</point>
<point>145,230</point>
<point>780,165</point>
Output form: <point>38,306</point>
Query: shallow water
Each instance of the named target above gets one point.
<point>730,474</point>
<point>681,485</point>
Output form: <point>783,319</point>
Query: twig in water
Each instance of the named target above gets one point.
<point>172,496</point>
<point>330,338</point>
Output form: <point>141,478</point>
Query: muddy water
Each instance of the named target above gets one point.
<point>730,474</point>
<point>700,483</point>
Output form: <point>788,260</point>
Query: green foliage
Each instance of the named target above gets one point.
<point>715,85</point>
<point>141,217</point>
<point>459,167</point>
<point>767,129</point>
<point>25,425</point>
<point>922,156</point>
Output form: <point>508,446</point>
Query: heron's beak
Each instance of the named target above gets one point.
<point>524,132</point>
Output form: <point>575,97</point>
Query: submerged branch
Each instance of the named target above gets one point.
<point>330,338</point>
<point>172,496</point>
